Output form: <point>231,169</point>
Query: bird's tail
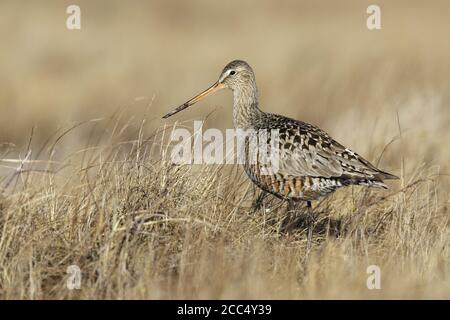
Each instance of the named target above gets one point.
<point>382,175</point>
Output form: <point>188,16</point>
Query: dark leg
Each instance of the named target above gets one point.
<point>258,203</point>
<point>291,219</point>
<point>310,224</point>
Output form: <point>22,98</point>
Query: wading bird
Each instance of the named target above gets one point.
<point>311,163</point>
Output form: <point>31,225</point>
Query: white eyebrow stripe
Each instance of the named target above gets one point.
<point>225,75</point>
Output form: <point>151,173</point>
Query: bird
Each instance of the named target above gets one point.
<point>311,164</point>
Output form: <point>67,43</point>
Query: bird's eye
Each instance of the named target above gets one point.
<point>232,72</point>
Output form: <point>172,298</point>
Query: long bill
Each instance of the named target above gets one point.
<point>215,87</point>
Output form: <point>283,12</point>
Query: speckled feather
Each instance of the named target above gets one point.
<point>311,163</point>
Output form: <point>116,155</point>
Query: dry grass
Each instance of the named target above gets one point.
<point>140,227</point>
<point>102,193</point>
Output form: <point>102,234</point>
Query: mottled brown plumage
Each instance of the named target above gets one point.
<point>311,163</point>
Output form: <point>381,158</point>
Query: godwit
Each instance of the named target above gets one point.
<point>311,163</point>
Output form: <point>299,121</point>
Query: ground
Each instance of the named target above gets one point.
<point>85,171</point>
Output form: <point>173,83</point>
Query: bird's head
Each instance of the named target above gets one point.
<point>236,75</point>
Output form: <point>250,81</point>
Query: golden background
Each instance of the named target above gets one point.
<point>382,92</point>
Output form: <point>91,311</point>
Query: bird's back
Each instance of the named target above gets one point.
<point>310,164</point>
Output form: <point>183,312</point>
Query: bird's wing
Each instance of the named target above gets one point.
<point>306,150</point>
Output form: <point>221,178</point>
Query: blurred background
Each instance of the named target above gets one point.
<point>314,60</point>
<point>383,93</point>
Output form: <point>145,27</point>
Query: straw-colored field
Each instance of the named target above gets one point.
<point>85,174</point>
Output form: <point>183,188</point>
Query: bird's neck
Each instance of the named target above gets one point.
<point>245,107</point>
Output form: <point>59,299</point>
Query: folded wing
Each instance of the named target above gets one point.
<point>306,150</point>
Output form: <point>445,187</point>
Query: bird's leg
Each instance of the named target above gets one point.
<point>310,224</point>
<point>290,221</point>
<point>258,203</point>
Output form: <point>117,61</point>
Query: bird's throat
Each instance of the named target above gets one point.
<point>245,108</point>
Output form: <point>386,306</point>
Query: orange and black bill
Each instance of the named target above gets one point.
<point>215,87</point>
